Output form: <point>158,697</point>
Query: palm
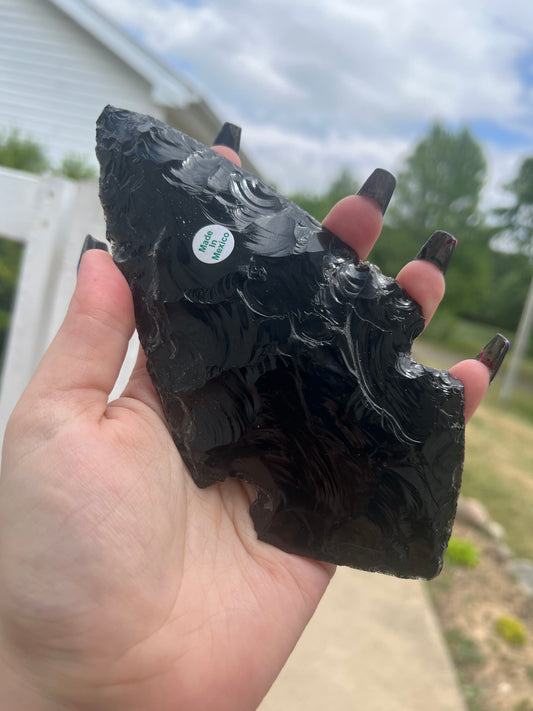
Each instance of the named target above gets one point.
<point>158,571</point>
<point>241,596</point>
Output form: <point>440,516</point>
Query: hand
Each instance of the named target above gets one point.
<point>123,585</point>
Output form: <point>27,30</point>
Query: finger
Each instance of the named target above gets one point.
<point>423,278</point>
<point>228,142</point>
<point>81,365</point>
<point>477,373</point>
<point>357,219</point>
<point>140,386</point>
<point>475,379</point>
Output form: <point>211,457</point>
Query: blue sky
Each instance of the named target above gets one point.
<point>319,85</point>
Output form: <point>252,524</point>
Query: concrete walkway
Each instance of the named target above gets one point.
<point>373,645</point>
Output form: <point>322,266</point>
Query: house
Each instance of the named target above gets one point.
<point>62,61</point>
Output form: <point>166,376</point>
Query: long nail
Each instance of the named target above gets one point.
<point>91,243</point>
<point>379,188</point>
<point>438,250</point>
<point>493,354</point>
<point>229,136</point>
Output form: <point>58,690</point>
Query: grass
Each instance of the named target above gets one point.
<point>462,552</point>
<point>524,705</point>
<point>498,466</point>
<point>449,340</point>
<point>499,456</point>
<point>469,337</point>
<point>498,471</point>
<point>464,650</point>
<point>474,698</point>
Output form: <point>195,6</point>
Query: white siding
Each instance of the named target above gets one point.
<point>55,79</point>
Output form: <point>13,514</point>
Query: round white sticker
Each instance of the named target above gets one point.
<point>212,244</point>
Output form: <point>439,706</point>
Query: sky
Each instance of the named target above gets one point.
<point>323,85</point>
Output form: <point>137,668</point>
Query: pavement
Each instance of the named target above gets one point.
<point>374,644</point>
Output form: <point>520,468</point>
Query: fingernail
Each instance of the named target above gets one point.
<point>379,188</point>
<point>438,250</point>
<point>91,243</point>
<point>229,136</point>
<point>493,354</point>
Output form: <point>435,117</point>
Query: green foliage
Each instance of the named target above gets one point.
<point>319,205</point>
<point>462,552</point>
<point>474,697</point>
<point>440,184</point>
<point>22,153</point>
<point>511,630</point>
<point>464,650</point>
<point>517,220</point>
<point>26,154</point>
<point>523,705</point>
<point>529,672</point>
<point>439,187</point>
<point>506,300</point>
<point>77,167</point>
<point>10,257</point>
<point>394,248</point>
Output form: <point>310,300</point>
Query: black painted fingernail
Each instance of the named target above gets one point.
<point>91,243</point>
<point>493,354</point>
<point>379,188</point>
<point>229,136</point>
<point>438,250</point>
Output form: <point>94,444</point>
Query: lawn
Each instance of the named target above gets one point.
<point>499,445</point>
<point>499,472</point>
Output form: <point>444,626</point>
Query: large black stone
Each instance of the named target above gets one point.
<point>280,357</point>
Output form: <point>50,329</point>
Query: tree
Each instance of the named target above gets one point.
<point>514,273</point>
<point>440,184</point>
<point>22,153</point>
<point>26,154</point>
<point>517,220</point>
<point>517,229</point>
<point>76,167</point>
<point>319,205</point>
<point>439,187</point>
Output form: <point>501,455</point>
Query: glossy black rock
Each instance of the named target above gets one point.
<point>280,357</point>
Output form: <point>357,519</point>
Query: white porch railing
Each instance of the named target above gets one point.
<point>51,217</point>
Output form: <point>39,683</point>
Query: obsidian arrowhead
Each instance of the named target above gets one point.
<point>280,357</point>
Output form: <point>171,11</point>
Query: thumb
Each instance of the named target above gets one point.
<point>82,363</point>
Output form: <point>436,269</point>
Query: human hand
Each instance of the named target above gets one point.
<point>123,585</point>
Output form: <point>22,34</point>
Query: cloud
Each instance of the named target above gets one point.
<point>318,86</point>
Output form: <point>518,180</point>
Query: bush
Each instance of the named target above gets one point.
<point>511,630</point>
<point>77,167</point>
<point>22,153</point>
<point>462,552</point>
